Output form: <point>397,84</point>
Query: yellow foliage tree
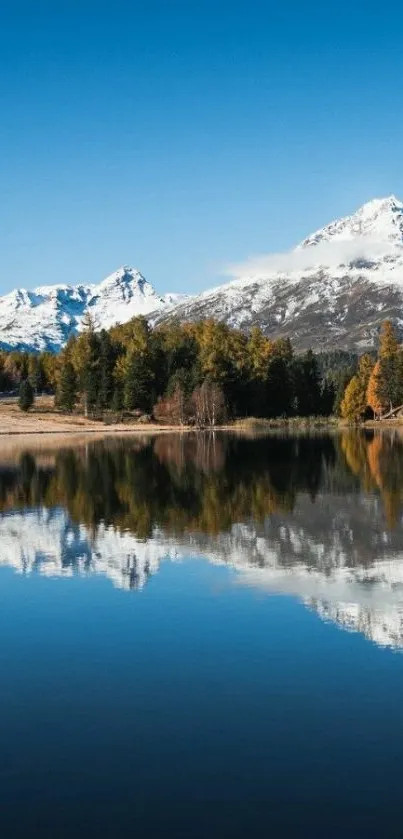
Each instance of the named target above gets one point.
<point>375,390</point>
<point>354,402</point>
<point>388,342</point>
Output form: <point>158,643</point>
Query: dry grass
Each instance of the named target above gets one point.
<point>257,424</point>
<point>44,419</point>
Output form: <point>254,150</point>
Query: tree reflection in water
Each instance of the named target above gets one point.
<point>318,517</point>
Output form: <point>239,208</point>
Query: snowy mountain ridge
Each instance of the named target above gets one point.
<point>380,219</point>
<point>44,318</point>
<point>331,291</point>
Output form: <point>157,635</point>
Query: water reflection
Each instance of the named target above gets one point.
<point>315,517</point>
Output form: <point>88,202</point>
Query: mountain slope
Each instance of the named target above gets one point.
<point>43,319</point>
<point>332,291</point>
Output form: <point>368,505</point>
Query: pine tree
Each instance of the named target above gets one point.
<point>117,400</point>
<point>138,393</point>
<point>307,385</point>
<point>35,373</point>
<point>328,397</point>
<point>279,388</point>
<point>66,393</point>
<point>26,395</point>
<point>106,364</point>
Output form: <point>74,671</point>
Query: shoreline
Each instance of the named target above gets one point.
<point>43,421</point>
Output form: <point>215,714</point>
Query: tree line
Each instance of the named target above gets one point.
<point>203,373</point>
<point>376,388</point>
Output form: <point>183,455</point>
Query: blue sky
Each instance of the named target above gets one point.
<point>180,137</point>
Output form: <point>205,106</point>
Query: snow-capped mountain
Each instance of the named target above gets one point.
<point>381,220</point>
<point>332,291</point>
<point>43,319</point>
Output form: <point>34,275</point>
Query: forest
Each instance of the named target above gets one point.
<point>375,390</point>
<point>194,373</point>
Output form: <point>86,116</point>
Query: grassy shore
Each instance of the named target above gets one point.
<point>43,418</point>
<point>293,423</point>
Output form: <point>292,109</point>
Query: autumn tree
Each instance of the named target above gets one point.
<point>50,363</point>
<point>355,400</point>
<point>388,340</point>
<point>375,392</point>
<point>84,356</point>
<point>389,376</point>
<point>208,404</point>
<point>172,408</point>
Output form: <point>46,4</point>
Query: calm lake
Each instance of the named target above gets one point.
<point>201,636</point>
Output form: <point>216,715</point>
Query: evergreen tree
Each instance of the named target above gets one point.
<point>26,395</point>
<point>279,388</point>
<point>138,393</point>
<point>307,385</point>
<point>66,393</point>
<point>90,374</point>
<point>328,396</point>
<point>117,399</point>
<point>106,365</point>
<point>35,373</point>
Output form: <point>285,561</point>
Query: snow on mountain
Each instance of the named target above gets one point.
<point>332,291</point>
<point>380,220</point>
<point>43,319</point>
<point>349,574</point>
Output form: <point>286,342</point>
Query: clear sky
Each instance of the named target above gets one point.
<point>180,136</point>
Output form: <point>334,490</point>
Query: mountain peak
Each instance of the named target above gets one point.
<point>380,219</point>
<point>124,275</point>
<point>46,317</point>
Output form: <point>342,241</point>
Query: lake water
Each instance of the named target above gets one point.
<point>201,636</point>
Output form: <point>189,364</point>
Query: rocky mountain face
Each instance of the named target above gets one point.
<point>331,292</point>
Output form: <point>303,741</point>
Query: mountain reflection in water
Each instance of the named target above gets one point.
<point>318,517</point>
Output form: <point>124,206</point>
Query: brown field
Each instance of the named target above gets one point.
<point>44,419</point>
